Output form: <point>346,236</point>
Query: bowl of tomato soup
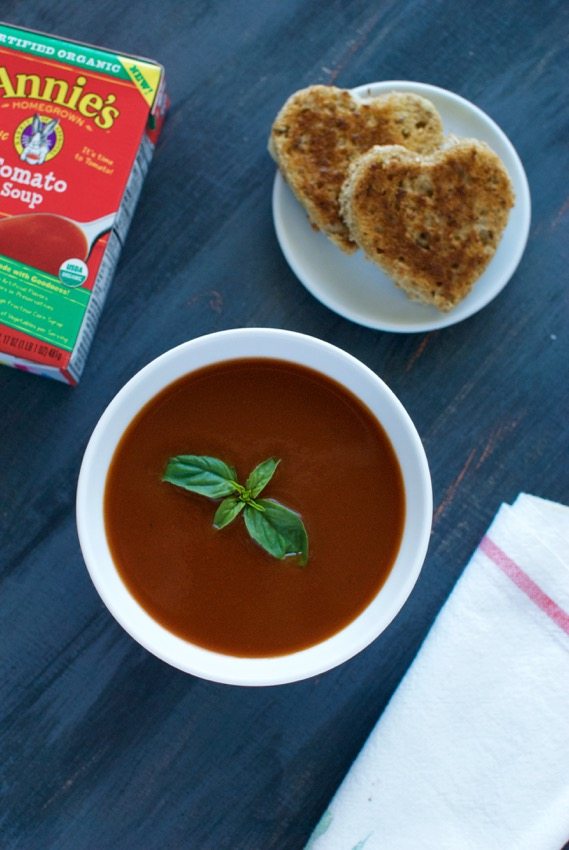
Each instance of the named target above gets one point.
<point>224,581</point>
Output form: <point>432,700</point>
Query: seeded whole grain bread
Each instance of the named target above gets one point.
<point>320,130</point>
<point>433,222</point>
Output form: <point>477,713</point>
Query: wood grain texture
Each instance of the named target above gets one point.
<point>103,746</point>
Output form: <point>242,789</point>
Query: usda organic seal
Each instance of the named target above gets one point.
<point>73,272</point>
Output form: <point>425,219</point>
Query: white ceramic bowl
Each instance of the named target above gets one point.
<point>228,345</point>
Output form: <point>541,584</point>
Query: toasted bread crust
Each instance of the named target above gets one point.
<point>433,223</point>
<point>321,129</point>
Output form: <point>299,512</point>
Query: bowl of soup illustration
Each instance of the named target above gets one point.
<point>42,240</point>
<point>218,598</point>
<point>45,240</point>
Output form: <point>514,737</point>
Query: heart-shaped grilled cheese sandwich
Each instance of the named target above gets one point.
<point>432,222</point>
<point>320,130</point>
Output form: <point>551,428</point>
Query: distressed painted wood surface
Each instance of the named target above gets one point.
<point>102,745</point>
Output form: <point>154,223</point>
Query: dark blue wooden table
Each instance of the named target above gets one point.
<point>103,746</point>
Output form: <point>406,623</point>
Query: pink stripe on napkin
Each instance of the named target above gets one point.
<point>526,584</point>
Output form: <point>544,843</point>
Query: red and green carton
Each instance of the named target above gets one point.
<point>78,127</point>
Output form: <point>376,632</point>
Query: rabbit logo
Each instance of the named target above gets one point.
<point>38,140</point>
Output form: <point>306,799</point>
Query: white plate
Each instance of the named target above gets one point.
<point>356,288</point>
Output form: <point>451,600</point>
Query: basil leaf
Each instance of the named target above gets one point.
<point>261,476</point>
<point>227,511</point>
<point>201,474</point>
<point>277,529</point>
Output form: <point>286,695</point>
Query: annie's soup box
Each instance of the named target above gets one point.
<point>78,126</point>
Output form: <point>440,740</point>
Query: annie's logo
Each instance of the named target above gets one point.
<point>38,141</point>
<point>71,96</point>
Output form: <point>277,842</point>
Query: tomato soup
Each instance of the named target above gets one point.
<point>78,131</point>
<point>218,588</point>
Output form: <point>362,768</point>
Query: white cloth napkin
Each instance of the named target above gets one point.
<point>472,752</point>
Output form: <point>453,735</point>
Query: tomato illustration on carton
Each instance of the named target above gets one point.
<point>78,127</point>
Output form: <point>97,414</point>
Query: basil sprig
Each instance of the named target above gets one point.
<point>276,528</point>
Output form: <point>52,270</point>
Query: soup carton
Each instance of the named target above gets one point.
<point>78,127</point>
